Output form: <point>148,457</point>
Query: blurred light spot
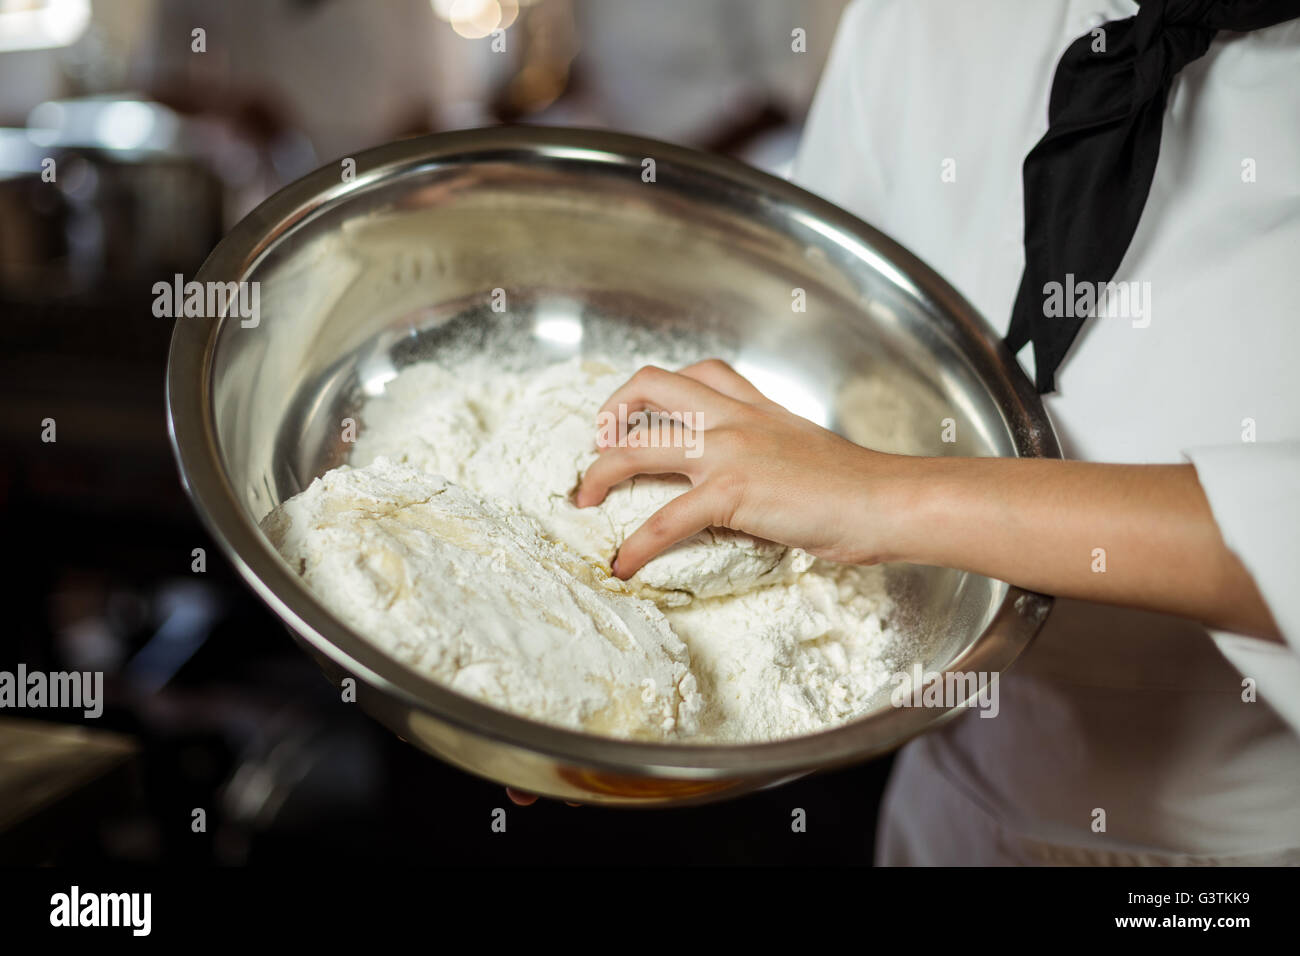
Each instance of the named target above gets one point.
<point>376,372</point>
<point>78,178</point>
<point>558,329</point>
<point>475,19</point>
<point>125,125</point>
<point>42,24</point>
<point>104,123</point>
<point>44,123</point>
<point>559,323</point>
<point>786,392</point>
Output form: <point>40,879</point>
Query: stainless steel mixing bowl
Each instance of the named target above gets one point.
<point>360,276</point>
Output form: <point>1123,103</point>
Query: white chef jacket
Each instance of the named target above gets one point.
<point>1143,717</point>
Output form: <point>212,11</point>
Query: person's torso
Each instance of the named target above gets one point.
<point>1109,708</point>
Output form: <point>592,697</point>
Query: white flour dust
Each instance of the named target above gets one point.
<point>452,542</point>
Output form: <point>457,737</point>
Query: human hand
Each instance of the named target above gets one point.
<point>760,469</point>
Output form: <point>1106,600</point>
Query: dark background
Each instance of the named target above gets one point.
<point>158,150</point>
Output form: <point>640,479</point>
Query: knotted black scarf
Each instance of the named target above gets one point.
<point>1087,179</point>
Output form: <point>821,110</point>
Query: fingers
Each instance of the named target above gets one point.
<point>708,390</point>
<point>660,390</point>
<point>679,519</point>
<point>721,377</point>
<point>619,464</point>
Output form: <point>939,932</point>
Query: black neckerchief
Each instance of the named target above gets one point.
<point>1087,179</point>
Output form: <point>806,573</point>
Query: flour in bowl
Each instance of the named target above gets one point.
<point>452,542</point>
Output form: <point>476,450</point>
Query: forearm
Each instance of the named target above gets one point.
<point>1141,536</point>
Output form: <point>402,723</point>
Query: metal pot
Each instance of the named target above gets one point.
<point>362,275</point>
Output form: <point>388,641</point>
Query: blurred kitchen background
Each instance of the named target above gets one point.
<point>129,143</point>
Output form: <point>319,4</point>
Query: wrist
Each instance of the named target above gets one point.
<point>911,497</point>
